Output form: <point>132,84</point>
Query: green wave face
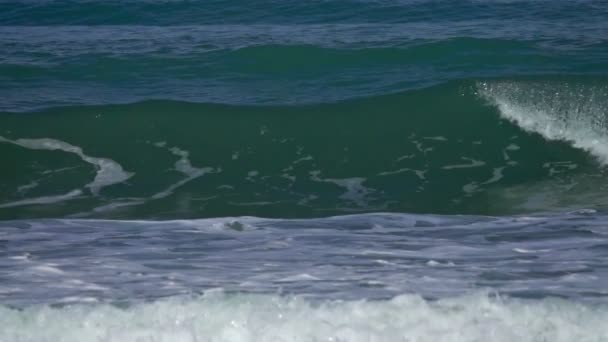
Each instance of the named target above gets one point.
<point>462,147</point>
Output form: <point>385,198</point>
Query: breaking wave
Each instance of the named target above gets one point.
<point>220,317</point>
<point>472,147</point>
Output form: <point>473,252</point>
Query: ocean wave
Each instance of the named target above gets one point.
<point>278,63</point>
<point>461,147</point>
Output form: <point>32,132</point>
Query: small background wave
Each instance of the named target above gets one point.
<point>282,52</point>
<point>163,12</point>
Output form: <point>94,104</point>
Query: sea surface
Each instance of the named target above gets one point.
<point>303,170</point>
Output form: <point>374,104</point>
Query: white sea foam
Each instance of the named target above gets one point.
<point>43,199</point>
<point>218,317</point>
<point>27,187</point>
<point>472,163</point>
<point>109,172</point>
<point>355,192</point>
<point>184,166</point>
<point>558,111</point>
<point>496,175</point>
<point>419,173</point>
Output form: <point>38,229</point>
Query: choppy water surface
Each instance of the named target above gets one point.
<point>371,256</point>
<point>363,277</point>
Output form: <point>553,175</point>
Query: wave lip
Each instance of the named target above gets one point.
<point>566,111</point>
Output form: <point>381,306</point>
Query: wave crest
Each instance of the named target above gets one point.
<point>566,111</point>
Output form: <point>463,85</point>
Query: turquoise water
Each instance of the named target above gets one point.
<point>341,170</point>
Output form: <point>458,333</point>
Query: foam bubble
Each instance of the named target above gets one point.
<point>218,317</point>
<point>575,113</point>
